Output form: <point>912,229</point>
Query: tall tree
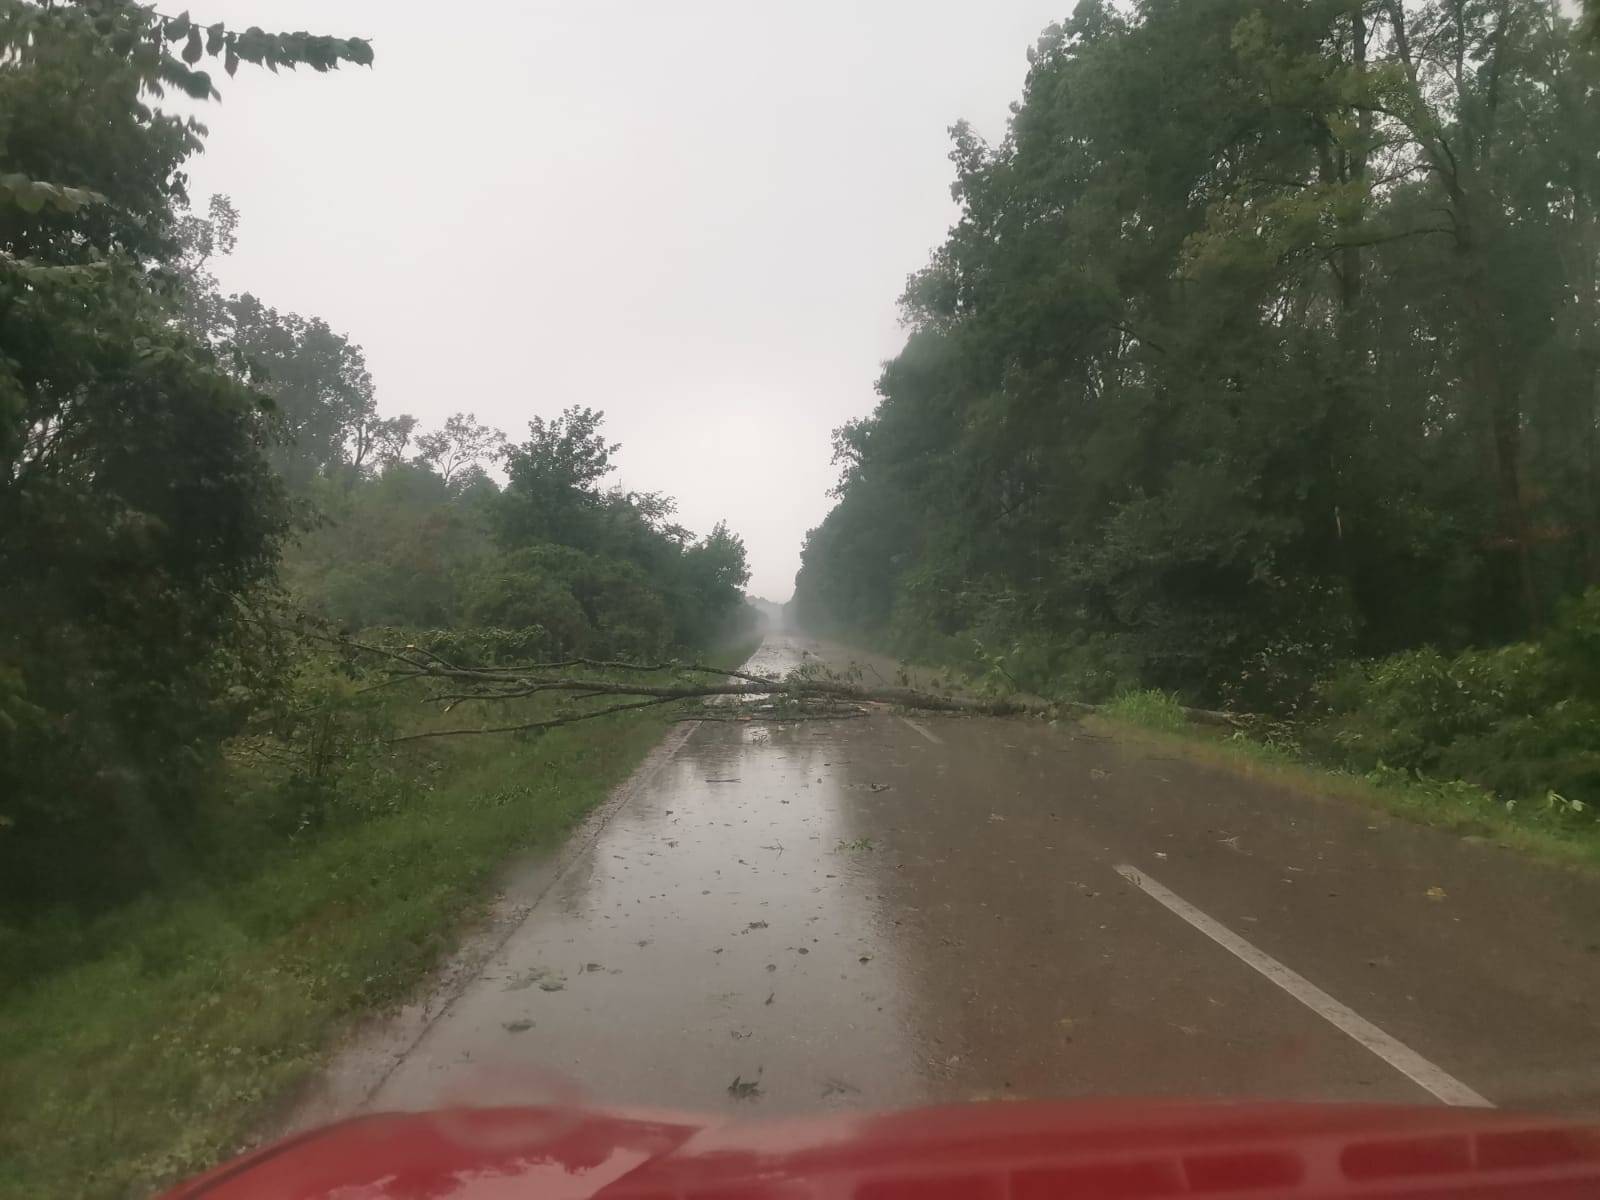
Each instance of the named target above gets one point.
<point>462,443</point>
<point>135,504</point>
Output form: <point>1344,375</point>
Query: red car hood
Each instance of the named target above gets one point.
<point>1016,1151</point>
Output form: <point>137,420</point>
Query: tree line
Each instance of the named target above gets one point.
<point>188,478</point>
<point>1262,369</point>
<point>1267,338</point>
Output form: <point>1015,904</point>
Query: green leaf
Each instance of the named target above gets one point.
<point>230,61</point>
<point>214,39</point>
<point>358,51</point>
<point>198,85</point>
<point>192,50</point>
<point>251,45</point>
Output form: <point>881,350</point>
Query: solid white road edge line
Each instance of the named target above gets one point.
<point>924,731</point>
<point>1398,1055</point>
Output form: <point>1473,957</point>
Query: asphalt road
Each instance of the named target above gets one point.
<point>883,911</point>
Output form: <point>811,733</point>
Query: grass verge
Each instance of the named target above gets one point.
<point>150,1045</point>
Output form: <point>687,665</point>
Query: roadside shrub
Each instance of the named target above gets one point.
<point>1573,644</point>
<point>1521,720</point>
<point>1095,666</point>
<point>1408,709</point>
<point>320,753</point>
<point>1527,758</point>
<point>1278,674</point>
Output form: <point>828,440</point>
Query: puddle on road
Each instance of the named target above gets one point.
<point>731,902</point>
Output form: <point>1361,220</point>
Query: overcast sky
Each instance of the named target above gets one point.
<point>694,216</point>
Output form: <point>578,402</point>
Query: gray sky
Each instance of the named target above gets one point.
<point>694,216</point>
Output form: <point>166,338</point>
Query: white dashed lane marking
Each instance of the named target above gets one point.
<point>924,731</point>
<point>1398,1055</point>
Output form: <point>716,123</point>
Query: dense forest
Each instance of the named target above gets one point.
<point>199,496</point>
<point>1267,342</point>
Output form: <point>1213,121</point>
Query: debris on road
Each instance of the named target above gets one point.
<point>526,979</point>
<point>517,1026</point>
<point>744,1089</point>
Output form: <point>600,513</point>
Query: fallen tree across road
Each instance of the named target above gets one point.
<point>588,688</point>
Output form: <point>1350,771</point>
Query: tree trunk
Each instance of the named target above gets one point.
<point>1518,596</point>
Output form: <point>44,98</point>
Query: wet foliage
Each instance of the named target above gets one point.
<point>1212,395</point>
<point>1234,397</point>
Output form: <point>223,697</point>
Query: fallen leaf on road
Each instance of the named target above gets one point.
<point>551,985</point>
<point>1097,773</point>
<point>770,995</point>
<point>517,1026</point>
<point>593,967</point>
<point>722,781</point>
<point>744,1089</point>
<point>772,966</point>
<point>756,925</point>
<point>995,817</point>
<point>1435,893</point>
<point>525,979</point>
<point>838,1087</point>
<point>1161,853</point>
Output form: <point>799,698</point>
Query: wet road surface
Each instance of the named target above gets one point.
<point>888,911</point>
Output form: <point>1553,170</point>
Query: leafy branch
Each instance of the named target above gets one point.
<point>147,38</point>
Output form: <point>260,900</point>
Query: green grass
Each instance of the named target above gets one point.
<point>149,1042</point>
<point>1445,804</point>
<point>1153,710</point>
